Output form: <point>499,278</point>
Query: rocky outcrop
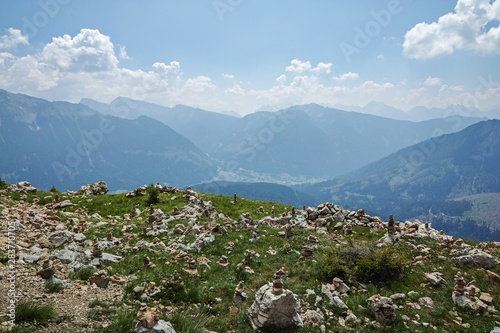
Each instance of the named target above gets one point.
<point>382,308</point>
<point>99,188</point>
<point>478,259</point>
<point>274,311</point>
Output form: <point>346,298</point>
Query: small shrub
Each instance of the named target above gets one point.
<point>99,310</point>
<point>380,265</point>
<point>53,189</point>
<point>332,264</point>
<point>153,195</point>
<point>83,273</point>
<point>124,321</point>
<point>3,258</point>
<point>3,184</point>
<point>52,287</point>
<point>28,312</point>
<point>367,265</point>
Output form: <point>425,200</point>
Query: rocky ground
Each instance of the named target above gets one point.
<point>195,263</point>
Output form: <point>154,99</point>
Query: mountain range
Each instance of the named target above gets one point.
<point>431,180</point>
<point>421,113</point>
<point>444,170</point>
<point>66,145</point>
<point>291,145</point>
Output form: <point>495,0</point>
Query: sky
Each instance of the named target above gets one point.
<point>241,55</point>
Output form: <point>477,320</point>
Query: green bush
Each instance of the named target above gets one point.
<point>3,184</point>
<point>52,287</point>
<point>364,264</point>
<point>28,312</point>
<point>153,195</point>
<point>380,265</point>
<point>53,189</point>
<point>332,264</point>
<point>124,321</point>
<point>83,274</point>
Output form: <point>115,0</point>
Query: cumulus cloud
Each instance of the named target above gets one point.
<point>463,29</point>
<point>73,67</point>
<point>13,38</point>
<point>346,76</point>
<point>89,51</point>
<point>432,81</point>
<point>298,66</point>
<point>123,54</point>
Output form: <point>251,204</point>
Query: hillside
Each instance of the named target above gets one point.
<point>64,144</point>
<point>100,263</point>
<point>291,145</point>
<point>258,191</point>
<point>421,179</point>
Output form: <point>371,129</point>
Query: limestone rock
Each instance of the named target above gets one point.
<point>99,188</point>
<point>476,260</point>
<point>147,317</point>
<point>435,279</point>
<point>160,327</point>
<point>382,308</point>
<point>312,317</point>
<point>426,302</point>
<point>66,256</point>
<point>276,311</point>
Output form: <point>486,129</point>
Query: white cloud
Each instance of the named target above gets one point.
<point>14,38</point>
<point>346,76</point>
<point>322,68</point>
<point>123,54</point>
<point>236,90</point>
<point>298,66</point>
<point>463,29</point>
<point>228,76</point>
<point>381,57</point>
<point>89,51</point>
<point>432,81</point>
<point>71,68</point>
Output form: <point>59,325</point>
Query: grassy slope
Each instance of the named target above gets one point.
<point>196,299</point>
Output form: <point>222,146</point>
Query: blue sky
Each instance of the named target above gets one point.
<point>239,54</point>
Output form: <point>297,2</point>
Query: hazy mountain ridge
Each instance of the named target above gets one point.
<point>64,144</point>
<point>258,191</point>
<point>307,140</point>
<point>419,180</point>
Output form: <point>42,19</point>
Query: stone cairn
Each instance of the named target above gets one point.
<point>239,293</point>
<point>224,262</point>
<point>289,231</point>
<point>459,285</point>
<point>390,227</point>
<point>278,282</point>
<point>191,269</point>
<point>248,258</point>
<point>235,199</point>
<point>96,250</point>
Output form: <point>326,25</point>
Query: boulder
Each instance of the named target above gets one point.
<point>147,317</point>
<point>476,260</point>
<point>426,302</point>
<point>26,187</point>
<point>66,256</point>
<point>274,311</point>
<point>58,238</point>
<point>161,326</point>
<point>382,308</point>
<point>99,188</point>
<point>435,279</point>
<point>312,317</point>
